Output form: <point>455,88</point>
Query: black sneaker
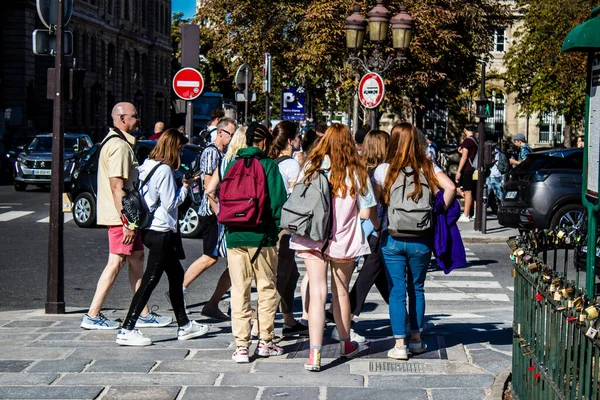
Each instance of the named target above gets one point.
<point>296,330</point>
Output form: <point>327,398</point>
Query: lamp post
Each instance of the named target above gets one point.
<point>378,25</point>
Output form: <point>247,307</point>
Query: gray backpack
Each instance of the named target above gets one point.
<point>407,217</point>
<point>307,212</point>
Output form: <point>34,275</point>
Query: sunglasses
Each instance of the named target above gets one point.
<point>227,132</point>
<point>135,116</point>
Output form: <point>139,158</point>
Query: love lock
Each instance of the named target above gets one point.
<point>591,312</point>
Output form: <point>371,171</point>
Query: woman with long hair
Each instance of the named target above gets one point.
<point>162,239</point>
<point>352,199</point>
<point>407,254</point>
<point>286,140</point>
<point>374,152</point>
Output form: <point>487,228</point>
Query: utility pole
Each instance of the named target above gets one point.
<point>55,286</point>
<point>484,110</point>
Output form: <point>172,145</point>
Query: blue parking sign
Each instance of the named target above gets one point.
<point>293,104</point>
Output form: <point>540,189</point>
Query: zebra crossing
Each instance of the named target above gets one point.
<point>7,214</point>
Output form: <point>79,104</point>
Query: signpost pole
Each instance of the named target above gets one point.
<point>246,96</point>
<point>189,119</point>
<point>479,222</point>
<point>55,299</point>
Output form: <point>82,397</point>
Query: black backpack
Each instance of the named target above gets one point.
<point>136,213</point>
<point>197,188</point>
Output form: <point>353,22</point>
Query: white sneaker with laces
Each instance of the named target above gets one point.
<point>398,353</point>
<point>132,338</point>
<point>354,337</point>
<point>153,320</point>
<point>464,218</point>
<point>194,330</point>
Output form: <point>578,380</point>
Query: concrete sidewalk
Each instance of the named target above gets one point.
<point>51,357</point>
<point>495,233</point>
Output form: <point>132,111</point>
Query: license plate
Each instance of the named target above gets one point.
<point>511,195</point>
<point>42,171</point>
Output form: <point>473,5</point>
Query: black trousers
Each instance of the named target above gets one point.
<point>372,272</point>
<point>163,256</point>
<point>287,274</point>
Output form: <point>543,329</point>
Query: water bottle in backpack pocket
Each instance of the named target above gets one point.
<point>406,216</point>
<point>307,212</point>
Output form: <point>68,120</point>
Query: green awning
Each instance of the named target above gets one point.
<point>584,37</point>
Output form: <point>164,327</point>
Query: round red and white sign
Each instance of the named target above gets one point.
<point>371,90</point>
<point>188,83</point>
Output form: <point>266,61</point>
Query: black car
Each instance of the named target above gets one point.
<point>544,191</point>
<point>32,165</point>
<point>84,190</point>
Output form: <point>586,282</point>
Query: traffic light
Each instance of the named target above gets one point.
<point>484,109</point>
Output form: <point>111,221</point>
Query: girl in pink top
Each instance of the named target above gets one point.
<point>353,199</point>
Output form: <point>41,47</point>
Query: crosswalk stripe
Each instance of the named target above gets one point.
<point>67,218</point>
<point>9,216</point>
<point>461,273</point>
<point>460,296</point>
<point>463,284</point>
<point>384,316</point>
<point>511,288</point>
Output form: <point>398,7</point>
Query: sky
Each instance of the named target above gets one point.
<point>187,6</point>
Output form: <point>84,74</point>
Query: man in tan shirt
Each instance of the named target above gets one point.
<point>117,169</point>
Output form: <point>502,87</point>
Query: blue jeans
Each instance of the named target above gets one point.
<point>406,261</point>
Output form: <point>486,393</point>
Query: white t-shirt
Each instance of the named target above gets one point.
<point>213,132</point>
<point>289,170</point>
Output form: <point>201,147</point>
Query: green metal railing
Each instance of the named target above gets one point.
<point>552,356</point>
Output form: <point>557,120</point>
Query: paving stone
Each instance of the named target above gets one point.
<point>286,379</point>
<point>336,393</point>
<point>495,367</point>
<point>50,392</point>
<point>120,366</point>
<point>205,342</point>
<point>13,365</point>
<point>483,356</point>
<point>19,379</point>
<point>431,381</point>
<point>61,336</point>
<point>32,353</point>
<point>4,322</point>
<point>72,344</point>
<point>112,379</point>
<point>29,323</point>
<point>128,353</point>
<point>102,336</point>
<point>334,367</point>
<point>142,393</point>
<point>203,366</point>
<point>68,365</point>
<point>220,393</point>
<point>458,394</point>
<point>220,355</point>
<point>290,393</point>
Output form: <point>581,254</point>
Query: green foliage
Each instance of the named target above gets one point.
<point>307,44</point>
<point>543,78</point>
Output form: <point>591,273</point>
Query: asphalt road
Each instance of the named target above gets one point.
<point>24,249</point>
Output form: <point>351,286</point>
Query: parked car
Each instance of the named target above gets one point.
<point>84,190</point>
<point>544,191</point>
<point>33,163</point>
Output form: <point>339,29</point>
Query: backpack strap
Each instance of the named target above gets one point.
<point>281,159</point>
<point>147,180</point>
<point>330,220</point>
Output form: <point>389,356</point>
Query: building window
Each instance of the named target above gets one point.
<point>126,90</point>
<point>549,133</point>
<point>145,69</point>
<point>111,60</point>
<point>102,57</point>
<point>93,55</point>
<point>499,40</point>
<point>495,126</point>
<point>167,21</point>
<point>110,7</point>
<point>126,11</point>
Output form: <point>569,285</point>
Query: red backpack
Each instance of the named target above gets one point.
<point>243,194</point>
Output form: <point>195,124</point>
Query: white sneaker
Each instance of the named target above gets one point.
<point>417,347</point>
<point>398,353</point>
<point>354,337</point>
<point>194,330</point>
<point>241,355</point>
<point>153,320</point>
<point>464,218</point>
<point>132,338</point>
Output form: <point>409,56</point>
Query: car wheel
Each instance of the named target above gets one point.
<point>84,210</point>
<point>568,216</point>
<point>20,186</point>
<point>189,224</point>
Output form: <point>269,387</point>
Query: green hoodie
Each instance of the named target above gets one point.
<point>251,237</point>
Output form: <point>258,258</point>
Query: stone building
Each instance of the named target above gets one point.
<point>124,46</point>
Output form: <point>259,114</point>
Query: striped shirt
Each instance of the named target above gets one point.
<point>209,162</point>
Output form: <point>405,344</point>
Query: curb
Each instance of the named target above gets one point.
<point>499,385</point>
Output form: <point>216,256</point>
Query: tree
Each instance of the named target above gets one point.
<point>543,78</point>
<point>307,44</point>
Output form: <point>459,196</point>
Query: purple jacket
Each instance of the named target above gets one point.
<point>447,243</point>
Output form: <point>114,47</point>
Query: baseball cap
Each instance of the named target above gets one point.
<point>359,136</point>
<point>519,136</point>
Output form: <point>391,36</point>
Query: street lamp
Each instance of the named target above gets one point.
<point>378,24</point>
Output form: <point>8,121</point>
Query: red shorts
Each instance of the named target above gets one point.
<point>115,242</point>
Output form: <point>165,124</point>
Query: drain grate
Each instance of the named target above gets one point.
<point>383,366</point>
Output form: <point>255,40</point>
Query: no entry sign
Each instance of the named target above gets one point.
<point>371,90</point>
<point>188,83</point>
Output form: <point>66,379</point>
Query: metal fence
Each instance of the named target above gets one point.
<point>556,351</point>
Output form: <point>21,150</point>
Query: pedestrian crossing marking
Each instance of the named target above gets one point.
<point>463,284</point>
<point>461,273</point>
<point>511,288</point>
<point>458,296</point>
<point>9,216</point>
<point>436,317</point>
<point>68,217</point>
